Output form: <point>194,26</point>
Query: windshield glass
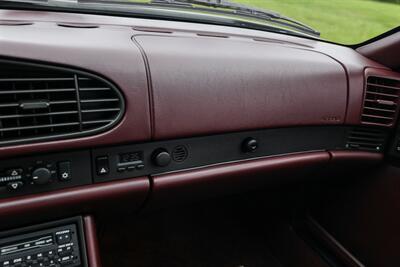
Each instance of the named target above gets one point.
<point>340,21</point>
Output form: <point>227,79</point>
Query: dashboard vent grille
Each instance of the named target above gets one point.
<point>381,101</point>
<point>41,102</point>
<point>368,139</point>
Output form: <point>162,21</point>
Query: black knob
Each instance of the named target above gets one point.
<point>161,157</point>
<point>249,145</point>
<point>41,176</point>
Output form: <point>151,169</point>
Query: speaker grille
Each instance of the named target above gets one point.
<point>179,153</point>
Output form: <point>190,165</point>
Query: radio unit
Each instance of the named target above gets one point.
<point>54,244</point>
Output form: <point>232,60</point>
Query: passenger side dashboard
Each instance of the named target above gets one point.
<point>201,111</point>
<point>192,102</point>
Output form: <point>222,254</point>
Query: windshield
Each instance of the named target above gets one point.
<point>346,22</point>
<point>339,21</point>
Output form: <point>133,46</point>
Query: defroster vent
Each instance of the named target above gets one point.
<point>381,101</point>
<point>40,102</point>
<point>368,139</point>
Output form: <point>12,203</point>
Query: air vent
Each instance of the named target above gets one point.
<point>368,139</point>
<point>179,153</point>
<point>381,101</point>
<point>41,102</point>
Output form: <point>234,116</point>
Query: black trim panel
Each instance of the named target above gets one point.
<point>209,150</point>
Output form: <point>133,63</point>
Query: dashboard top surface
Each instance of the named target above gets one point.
<point>330,78</point>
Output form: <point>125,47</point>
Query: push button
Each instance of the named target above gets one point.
<point>14,186</point>
<point>63,238</point>
<point>102,166</point>
<point>64,171</point>
<point>14,172</point>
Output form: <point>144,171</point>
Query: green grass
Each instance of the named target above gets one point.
<point>341,21</point>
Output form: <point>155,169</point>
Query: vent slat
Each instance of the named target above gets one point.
<point>101,110</point>
<point>383,86</point>
<point>357,139</point>
<point>97,122</point>
<point>382,94</point>
<point>32,127</point>
<point>100,100</point>
<point>377,102</point>
<point>63,102</point>
<point>381,101</point>
<point>8,105</point>
<point>380,109</point>
<point>94,89</point>
<point>40,102</point>
<point>36,79</point>
<point>38,114</point>
<point>377,117</point>
<point>33,91</point>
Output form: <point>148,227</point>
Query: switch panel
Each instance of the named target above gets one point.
<point>43,173</point>
<point>153,158</point>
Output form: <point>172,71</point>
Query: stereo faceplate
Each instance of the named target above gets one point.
<point>54,244</point>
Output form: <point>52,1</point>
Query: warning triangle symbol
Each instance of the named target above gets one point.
<point>103,170</point>
<point>14,186</point>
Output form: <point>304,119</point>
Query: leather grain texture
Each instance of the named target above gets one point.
<point>386,51</point>
<point>104,198</point>
<point>234,177</point>
<point>206,85</point>
<point>92,245</point>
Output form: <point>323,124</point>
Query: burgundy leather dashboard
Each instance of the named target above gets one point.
<point>207,84</point>
<point>183,79</point>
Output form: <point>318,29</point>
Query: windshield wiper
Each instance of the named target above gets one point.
<point>244,10</point>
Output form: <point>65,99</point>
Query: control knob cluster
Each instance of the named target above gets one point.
<point>41,176</point>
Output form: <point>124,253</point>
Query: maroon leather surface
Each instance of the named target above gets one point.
<point>233,177</point>
<point>386,51</point>
<point>92,245</point>
<point>371,203</point>
<point>239,85</point>
<point>349,158</point>
<point>106,50</point>
<point>99,198</point>
<point>349,161</point>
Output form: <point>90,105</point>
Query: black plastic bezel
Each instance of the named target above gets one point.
<point>75,71</point>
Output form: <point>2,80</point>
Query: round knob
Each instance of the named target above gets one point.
<point>41,176</point>
<point>161,157</point>
<point>249,145</point>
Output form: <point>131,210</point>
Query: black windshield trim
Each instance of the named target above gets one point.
<point>376,38</point>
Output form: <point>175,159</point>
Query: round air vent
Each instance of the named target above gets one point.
<point>40,102</point>
<point>179,153</point>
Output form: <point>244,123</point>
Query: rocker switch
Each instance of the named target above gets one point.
<point>64,171</point>
<point>102,166</point>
